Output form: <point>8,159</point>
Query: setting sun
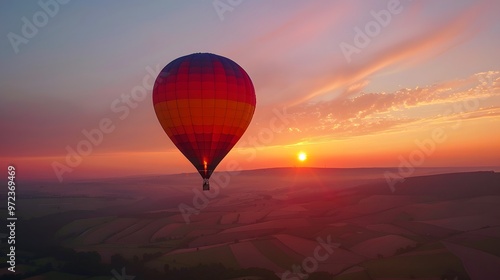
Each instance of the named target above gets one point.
<point>302,156</point>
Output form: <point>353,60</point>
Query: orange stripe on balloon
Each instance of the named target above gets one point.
<point>172,113</point>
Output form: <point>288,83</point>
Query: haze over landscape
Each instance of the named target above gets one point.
<point>441,226</point>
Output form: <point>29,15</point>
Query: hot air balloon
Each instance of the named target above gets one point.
<point>204,102</point>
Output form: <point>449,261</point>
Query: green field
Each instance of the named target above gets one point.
<point>418,266</point>
<point>358,275</point>
<point>488,244</point>
<point>220,254</point>
<point>270,249</point>
<point>78,226</point>
<point>54,275</point>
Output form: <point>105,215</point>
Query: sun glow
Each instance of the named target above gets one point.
<point>302,156</point>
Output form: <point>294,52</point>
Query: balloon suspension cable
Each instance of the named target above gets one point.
<point>206,184</point>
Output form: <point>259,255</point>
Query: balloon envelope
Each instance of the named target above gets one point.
<point>204,102</point>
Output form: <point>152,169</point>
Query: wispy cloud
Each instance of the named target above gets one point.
<point>375,112</point>
<point>416,48</point>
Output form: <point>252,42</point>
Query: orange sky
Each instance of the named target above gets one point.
<point>430,73</point>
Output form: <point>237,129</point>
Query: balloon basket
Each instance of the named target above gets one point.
<point>206,185</point>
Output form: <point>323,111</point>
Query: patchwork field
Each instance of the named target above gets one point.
<point>273,219</point>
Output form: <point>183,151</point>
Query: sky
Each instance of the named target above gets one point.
<point>349,83</point>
